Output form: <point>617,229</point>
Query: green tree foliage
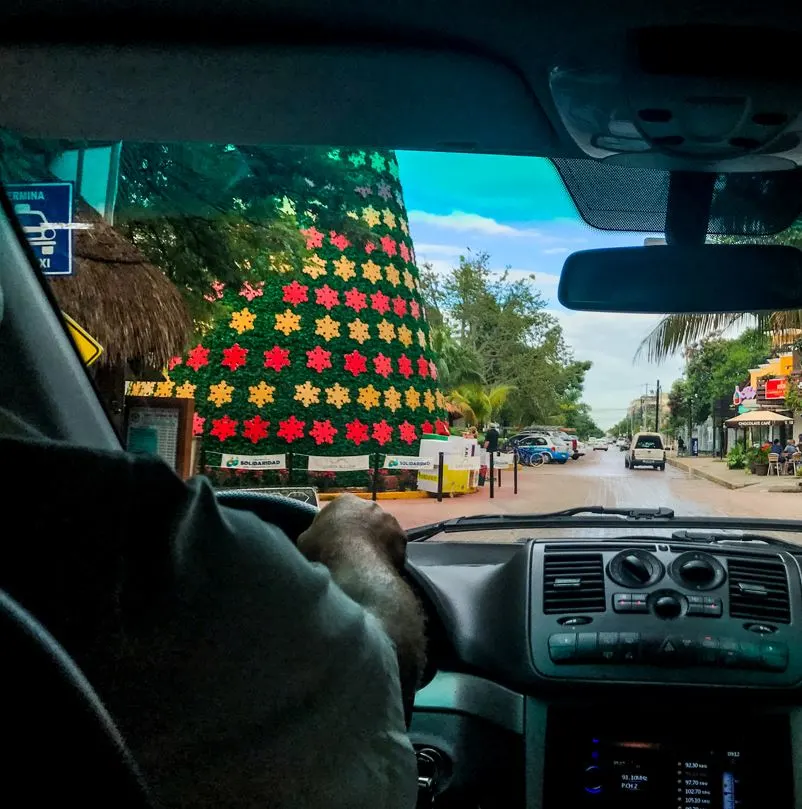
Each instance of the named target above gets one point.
<point>500,328</point>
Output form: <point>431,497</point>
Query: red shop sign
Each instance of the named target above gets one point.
<point>775,388</point>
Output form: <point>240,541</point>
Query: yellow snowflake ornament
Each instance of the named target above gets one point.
<point>392,398</point>
<point>220,393</point>
<point>368,397</point>
<point>412,398</point>
<point>344,268</point>
<point>388,218</point>
<point>371,216</point>
<point>337,395</point>
<point>147,388</point>
<point>428,401</point>
<point>386,331</point>
<point>242,321</point>
<point>392,275</point>
<point>282,267</point>
<point>135,389</point>
<point>287,322</point>
<point>287,206</point>
<point>372,271</point>
<point>315,266</point>
<point>421,338</point>
<point>402,223</point>
<point>165,389</point>
<point>440,399</point>
<point>405,336</point>
<point>409,281</point>
<point>261,394</point>
<point>307,394</point>
<point>327,328</point>
<point>352,214</point>
<point>185,391</point>
<point>359,331</point>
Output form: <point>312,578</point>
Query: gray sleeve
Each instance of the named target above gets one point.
<point>268,686</point>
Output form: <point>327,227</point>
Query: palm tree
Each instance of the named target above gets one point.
<point>479,404</point>
<point>676,332</point>
<point>456,364</point>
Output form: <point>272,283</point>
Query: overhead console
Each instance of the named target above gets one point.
<point>712,615</point>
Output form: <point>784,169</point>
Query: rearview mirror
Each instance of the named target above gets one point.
<point>667,279</point>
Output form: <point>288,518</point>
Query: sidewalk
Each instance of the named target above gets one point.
<point>716,471</point>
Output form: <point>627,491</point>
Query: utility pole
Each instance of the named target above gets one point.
<point>657,408</point>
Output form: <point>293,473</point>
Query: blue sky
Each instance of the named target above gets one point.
<point>517,210</point>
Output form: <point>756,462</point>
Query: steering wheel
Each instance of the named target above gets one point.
<point>293,517</point>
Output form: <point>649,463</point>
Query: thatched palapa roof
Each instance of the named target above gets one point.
<point>129,306</point>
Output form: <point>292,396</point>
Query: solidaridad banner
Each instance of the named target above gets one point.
<point>407,462</point>
<point>253,461</point>
<point>338,463</point>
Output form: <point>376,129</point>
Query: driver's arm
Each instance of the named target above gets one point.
<point>240,674</point>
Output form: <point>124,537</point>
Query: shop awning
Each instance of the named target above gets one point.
<point>758,418</point>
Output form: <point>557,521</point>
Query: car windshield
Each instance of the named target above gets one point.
<point>319,320</point>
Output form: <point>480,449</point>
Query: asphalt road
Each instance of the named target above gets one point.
<point>600,478</point>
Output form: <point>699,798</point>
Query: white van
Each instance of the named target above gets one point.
<point>646,449</point>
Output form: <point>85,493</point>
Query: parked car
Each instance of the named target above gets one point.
<point>647,449</point>
<point>540,445</point>
<point>600,443</point>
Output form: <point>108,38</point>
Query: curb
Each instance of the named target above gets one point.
<point>700,473</point>
<point>325,496</point>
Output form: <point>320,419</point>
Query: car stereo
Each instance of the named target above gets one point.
<point>662,765</point>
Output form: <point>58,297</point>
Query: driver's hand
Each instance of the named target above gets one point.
<point>349,519</point>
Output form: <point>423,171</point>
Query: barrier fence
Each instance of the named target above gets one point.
<point>372,462</point>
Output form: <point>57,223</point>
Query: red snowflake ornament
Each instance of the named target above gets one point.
<point>356,300</point>
<point>432,369</point>
<point>250,292</point>
<point>383,190</point>
<point>198,357</point>
<point>423,366</point>
<point>388,245</point>
<point>172,362</point>
<point>427,428</point>
<point>414,309</point>
<point>356,431</point>
<point>404,250</point>
<point>407,432</point>
<point>314,238</point>
<point>295,293</point>
<point>399,306</point>
<point>234,357</point>
<point>382,365</point>
<point>405,366</point>
<point>338,240</point>
<point>380,303</point>
<point>382,432</point>
<point>323,432</point>
<point>255,429</point>
<point>356,363</point>
<point>277,358</point>
<point>197,424</point>
<point>362,190</point>
<point>318,358</point>
<point>326,296</point>
<point>224,428</point>
<point>217,287</point>
<point>291,429</point>
<point>370,247</point>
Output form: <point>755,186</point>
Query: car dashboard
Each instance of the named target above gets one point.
<point>633,673</point>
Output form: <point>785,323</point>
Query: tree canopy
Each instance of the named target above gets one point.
<point>498,328</point>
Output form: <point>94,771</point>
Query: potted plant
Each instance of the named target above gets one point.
<point>736,457</point>
<point>757,460</point>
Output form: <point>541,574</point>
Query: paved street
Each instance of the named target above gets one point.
<point>600,478</point>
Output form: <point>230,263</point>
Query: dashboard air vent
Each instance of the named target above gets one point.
<point>562,547</point>
<point>573,582</point>
<point>759,590</point>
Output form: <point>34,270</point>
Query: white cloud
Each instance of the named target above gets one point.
<point>609,340</point>
<point>554,251</point>
<point>448,250</point>
<point>469,222</point>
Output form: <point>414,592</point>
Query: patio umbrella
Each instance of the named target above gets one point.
<point>758,418</point>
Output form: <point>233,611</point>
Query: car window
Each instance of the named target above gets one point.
<point>648,442</point>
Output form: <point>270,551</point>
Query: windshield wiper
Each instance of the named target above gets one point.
<point>602,517</point>
<point>499,522</point>
<point>733,538</point>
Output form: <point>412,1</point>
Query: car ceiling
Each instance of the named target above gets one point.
<point>458,75</point>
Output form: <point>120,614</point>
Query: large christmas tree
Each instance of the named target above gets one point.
<point>332,357</point>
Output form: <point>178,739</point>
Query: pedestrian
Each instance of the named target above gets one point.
<point>776,447</point>
<point>491,438</point>
<point>789,451</point>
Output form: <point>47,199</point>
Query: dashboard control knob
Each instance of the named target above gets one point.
<point>697,571</point>
<point>667,607</point>
<point>592,778</point>
<point>635,567</point>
